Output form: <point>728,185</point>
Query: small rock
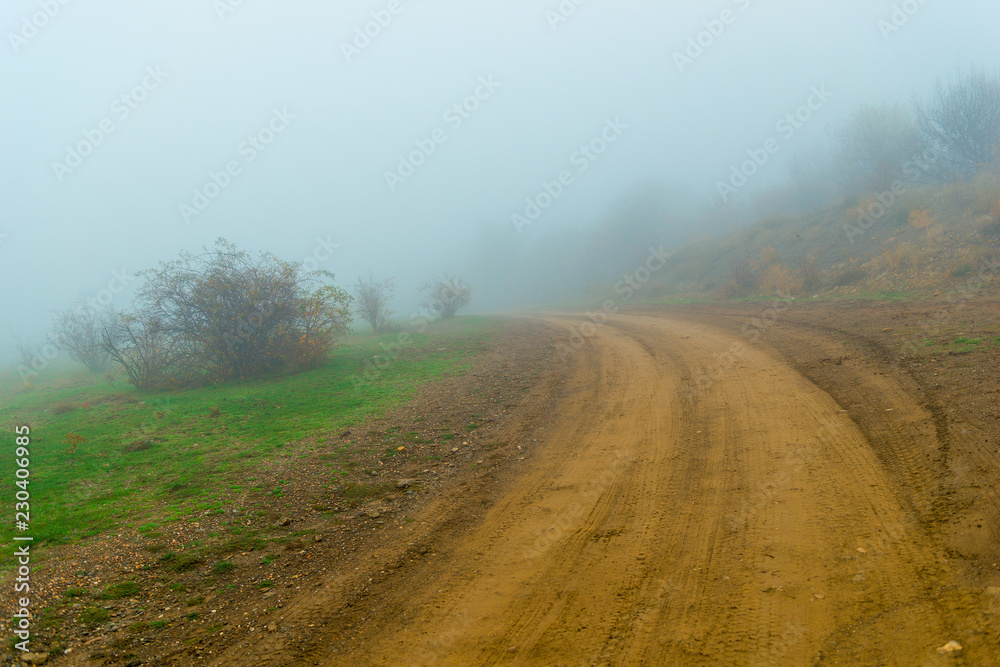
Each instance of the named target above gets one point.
<point>405,483</point>
<point>454,449</point>
<point>950,647</point>
<point>35,658</point>
<point>317,538</point>
<point>374,514</point>
<point>284,522</point>
<point>272,627</point>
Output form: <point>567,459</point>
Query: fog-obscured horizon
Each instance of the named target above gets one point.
<point>133,131</point>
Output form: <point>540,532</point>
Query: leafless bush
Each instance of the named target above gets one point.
<point>25,349</point>
<point>372,298</point>
<point>961,123</point>
<point>446,296</point>
<point>225,314</point>
<point>79,332</point>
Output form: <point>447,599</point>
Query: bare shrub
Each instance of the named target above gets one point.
<point>961,123</point>
<point>79,332</point>
<point>444,297</point>
<point>372,298</point>
<point>224,315</point>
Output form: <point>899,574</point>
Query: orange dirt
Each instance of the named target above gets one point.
<point>693,499</point>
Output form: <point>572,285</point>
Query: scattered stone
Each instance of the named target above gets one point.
<point>35,658</point>
<point>400,449</point>
<point>454,449</point>
<point>283,522</point>
<point>317,538</point>
<point>272,627</point>
<point>374,514</point>
<point>405,483</point>
<point>950,647</point>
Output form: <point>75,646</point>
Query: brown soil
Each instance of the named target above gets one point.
<point>771,483</point>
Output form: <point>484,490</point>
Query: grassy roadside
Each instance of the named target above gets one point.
<point>106,456</point>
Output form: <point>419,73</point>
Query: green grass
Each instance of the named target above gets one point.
<point>93,616</point>
<point>223,567</point>
<point>120,591</point>
<point>148,459</point>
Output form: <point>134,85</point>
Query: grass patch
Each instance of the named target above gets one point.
<point>120,591</point>
<point>223,567</point>
<point>181,562</point>
<point>93,616</point>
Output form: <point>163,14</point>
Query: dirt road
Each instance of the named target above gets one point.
<point>692,500</point>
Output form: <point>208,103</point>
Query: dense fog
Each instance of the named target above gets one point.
<point>537,149</point>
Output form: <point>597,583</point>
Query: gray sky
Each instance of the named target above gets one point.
<point>200,78</point>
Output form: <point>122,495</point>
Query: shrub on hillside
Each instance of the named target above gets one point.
<point>225,315</point>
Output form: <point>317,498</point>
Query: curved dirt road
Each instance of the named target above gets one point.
<point>693,501</point>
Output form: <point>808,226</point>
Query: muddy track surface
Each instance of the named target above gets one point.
<point>693,499</point>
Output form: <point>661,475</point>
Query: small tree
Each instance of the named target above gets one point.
<point>446,296</point>
<point>25,349</point>
<point>79,331</point>
<point>961,123</point>
<point>372,301</point>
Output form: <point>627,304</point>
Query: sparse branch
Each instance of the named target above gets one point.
<point>446,296</point>
<point>372,298</point>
